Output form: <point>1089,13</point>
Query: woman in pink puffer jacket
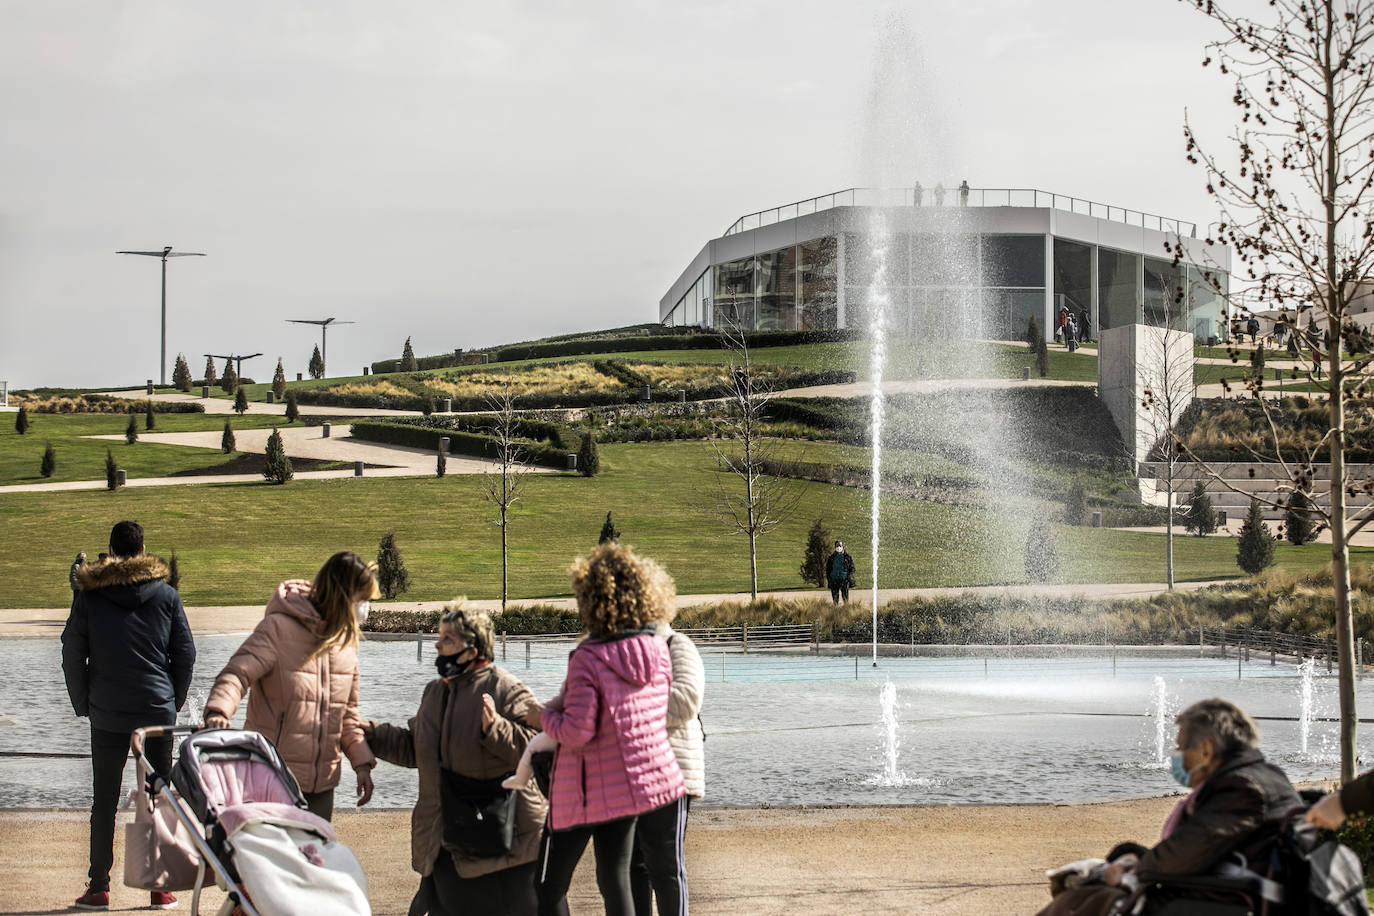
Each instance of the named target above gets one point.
<point>613,761</point>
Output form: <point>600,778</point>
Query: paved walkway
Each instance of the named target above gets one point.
<point>226,405</point>
<point>48,622</point>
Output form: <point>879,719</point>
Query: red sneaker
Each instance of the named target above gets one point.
<point>161,900</point>
<point>92,900</point>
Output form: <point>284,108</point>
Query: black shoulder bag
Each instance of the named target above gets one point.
<point>479,815</point>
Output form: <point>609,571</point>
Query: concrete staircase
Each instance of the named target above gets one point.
<point>1251,479</point>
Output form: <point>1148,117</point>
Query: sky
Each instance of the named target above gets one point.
<point>473,174</point>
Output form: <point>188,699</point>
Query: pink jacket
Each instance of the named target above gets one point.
<point>307,707</point>
<point>613,757</point>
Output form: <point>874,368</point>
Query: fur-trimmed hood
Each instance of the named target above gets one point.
<point>126,571</point>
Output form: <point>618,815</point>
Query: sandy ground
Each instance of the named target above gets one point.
<point>938,861</point>
<point>48,622</point>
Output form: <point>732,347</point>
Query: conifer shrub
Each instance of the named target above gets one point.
<point>111,469</point>
<point>1075,505</point>
<point>131,431</point>
<point>293,409</point>
<point>48,467</point>
<point>408,363</point>
<point>1201,518</point>
<point>149,421</point>
<point>21,420</point>
<point>279,380</point>
<point>316,365</point>
<point>278,468</point>
<point>1255,547</point>
<point>241,401</point>
<point>588,461</point>
<point>818,541</point>
<point>181,374</point>
<point>609,532</point>
<point>210,375</point>
<point>1298,527</point>
<point>392,576</point>
<point>226,441</point>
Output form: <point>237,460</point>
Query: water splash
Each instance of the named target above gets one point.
<point>878,296</point>
<point>887,703</point>
<point>1159,708</point>
<point>1306,710</point>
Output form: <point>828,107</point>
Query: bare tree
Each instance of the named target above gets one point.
<point>504,486</point>
<point>750,498</point>
<point>1165,371</point>
<point>1294,189</point>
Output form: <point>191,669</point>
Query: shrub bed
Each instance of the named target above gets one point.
<point>100,403</point>
<point>460,443</point>
<point>519,620</point>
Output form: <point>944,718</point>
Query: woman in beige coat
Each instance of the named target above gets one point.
<point>300,671</point>
<point>470,728</point>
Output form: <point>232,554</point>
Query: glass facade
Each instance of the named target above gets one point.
<point>955,286</point>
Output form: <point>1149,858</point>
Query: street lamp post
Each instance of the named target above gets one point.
<point>323,324</point>
<point>164,254</point>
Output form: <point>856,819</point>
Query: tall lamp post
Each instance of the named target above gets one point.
<point>165,253</point>
<point>323,324</point>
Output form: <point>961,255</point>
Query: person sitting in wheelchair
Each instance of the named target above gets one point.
<point>1237,805</point>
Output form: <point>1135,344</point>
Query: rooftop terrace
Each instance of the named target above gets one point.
<point>977,197</point>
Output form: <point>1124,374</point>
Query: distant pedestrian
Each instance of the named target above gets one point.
<point>1060,323</point>
<point>839,573</point>
<point>71,575</point>
<point>1252,326</point>
<point>939,194</point>
<point>963,193</point>
<point>918,194</point>
<point>127,655</point>
<point>1071,333</point>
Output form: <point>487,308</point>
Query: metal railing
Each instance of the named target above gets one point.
<point>1248,640</point>
<point>952,198</point>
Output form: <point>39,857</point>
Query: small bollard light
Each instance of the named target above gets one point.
<point>271,396</point>
<point>1097,519</point>
<point>325,429</point>
<point>357,469</point>
<point>644,393</point>
<point>443,444</point>
<point>121,478</point>
<point>1221,519</point>
<point>205,391</point>
<point>682,395</point>
<point>572,462</point>
<point>150,386</point>
<point>1278,375</point>
<point>446,405</point>
<point>367,370</point>
<point>1025,373</point>
<point>298,376</point>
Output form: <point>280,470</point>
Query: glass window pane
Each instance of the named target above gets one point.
<point>1164,295</point>
<point>1117,288</point>
<point>1014,260</point>
<point>734,299</point>
<point>1206,299</point>
<point>818,271</point>
<point>944,260</point>
<point>1073,282</point>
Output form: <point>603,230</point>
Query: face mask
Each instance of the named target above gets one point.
<point>449,666</point>
<point>362,610</point>
<point>1182,775</point>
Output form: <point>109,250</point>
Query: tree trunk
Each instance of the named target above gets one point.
<point>1169,527</point>
<point>505,564</point>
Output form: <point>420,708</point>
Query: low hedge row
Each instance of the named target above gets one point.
<point>523,620</point>
<point>99,403</point>
<point>555,434</point>
<point>676,340</point>
<point>460,443</point>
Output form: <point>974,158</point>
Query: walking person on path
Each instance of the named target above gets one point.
<point>614,766</point>
<point>839,573</point>
<point>299,668</point>
<point>127,655</point>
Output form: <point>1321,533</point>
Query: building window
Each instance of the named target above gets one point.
<point>1118,288</point>
<point>817,271</point>
<point>1164,303</point>
<point>1073,284</point>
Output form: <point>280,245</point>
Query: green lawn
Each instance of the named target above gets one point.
<point>236,541</point>
<point>84,459</point>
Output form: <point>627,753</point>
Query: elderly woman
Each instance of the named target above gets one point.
<point>1237,804</point>
<point>466,737</point>
<point>614,766</point>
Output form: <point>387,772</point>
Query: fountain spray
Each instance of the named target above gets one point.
<point>878,296</point>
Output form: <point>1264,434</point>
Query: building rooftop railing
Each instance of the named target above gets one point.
<point>952,197</point>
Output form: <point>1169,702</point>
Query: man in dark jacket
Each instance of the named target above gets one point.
<point>839,573</point>
<point>127,655</point>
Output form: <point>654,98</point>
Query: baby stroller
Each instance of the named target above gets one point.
<point>250,827</point>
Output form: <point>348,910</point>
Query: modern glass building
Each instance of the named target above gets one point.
<point>976,264</point>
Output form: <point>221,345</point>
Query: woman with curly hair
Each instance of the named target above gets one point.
<point>613,762</point>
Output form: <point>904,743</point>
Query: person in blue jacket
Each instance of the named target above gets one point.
<point>127,654</point>
<point>839,573</point>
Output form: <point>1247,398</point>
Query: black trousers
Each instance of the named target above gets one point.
<point>109,753</point>
<point>508,892</point>
<point>659,865</point>
<point>561,851</point>
<point>839,587</point>
<point>320,803</point>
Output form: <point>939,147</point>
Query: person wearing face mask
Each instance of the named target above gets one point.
<point>1237,805</point>
<point>467,736</point>
<point>299,668</point>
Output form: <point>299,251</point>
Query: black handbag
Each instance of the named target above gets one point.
<point>479,815</point>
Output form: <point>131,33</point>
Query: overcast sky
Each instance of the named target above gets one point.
<point>469,174</point>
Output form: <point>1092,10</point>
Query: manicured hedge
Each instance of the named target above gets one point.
<point>460,443</point>
<point>671,339</point>
<point>523,620</point>
<point>99,403</point>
